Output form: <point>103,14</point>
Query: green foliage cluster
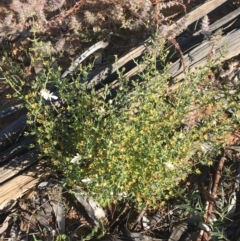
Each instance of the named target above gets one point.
<point>138,145</point>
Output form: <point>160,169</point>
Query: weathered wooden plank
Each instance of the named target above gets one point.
<point>108,73</point>
<point>221,22</point>
<point>16,187</point>
<point>203,10</point>
<point>16,150</point>
<point>11,110</point>
<point>191,42</point>
<point>225,48</point>
<point>10,134</point>
<point>196,57</point>
<point>17,165</point>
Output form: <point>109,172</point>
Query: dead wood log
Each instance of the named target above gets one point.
<point>192,41</point>
<point>222,49</point>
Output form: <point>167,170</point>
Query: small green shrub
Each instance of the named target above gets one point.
<point>139,145</point>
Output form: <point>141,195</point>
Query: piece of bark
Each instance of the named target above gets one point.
<point>58,207</point>
<point>92,208</point>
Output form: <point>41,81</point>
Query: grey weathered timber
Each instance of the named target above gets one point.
<point>221,22</point>
<point>16,150</point>
<point>224,48</point>
<point>10,134</point>
<point>17,165</point>
<point>17,186</point>
<point>203,10</point>
<point>108,73</point>
<point>11,110</point>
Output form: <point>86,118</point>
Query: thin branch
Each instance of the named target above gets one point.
<point>65,14</point>
<point>139,217</point>
<point>177,47</point>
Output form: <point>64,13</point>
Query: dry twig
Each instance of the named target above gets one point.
<point>65,14</point>
<point>139,217</point>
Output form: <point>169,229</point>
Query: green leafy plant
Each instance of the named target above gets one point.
<point>62,237</point>
<point>35,238</point>
<point>96,233</point>
<point>138,145</point>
